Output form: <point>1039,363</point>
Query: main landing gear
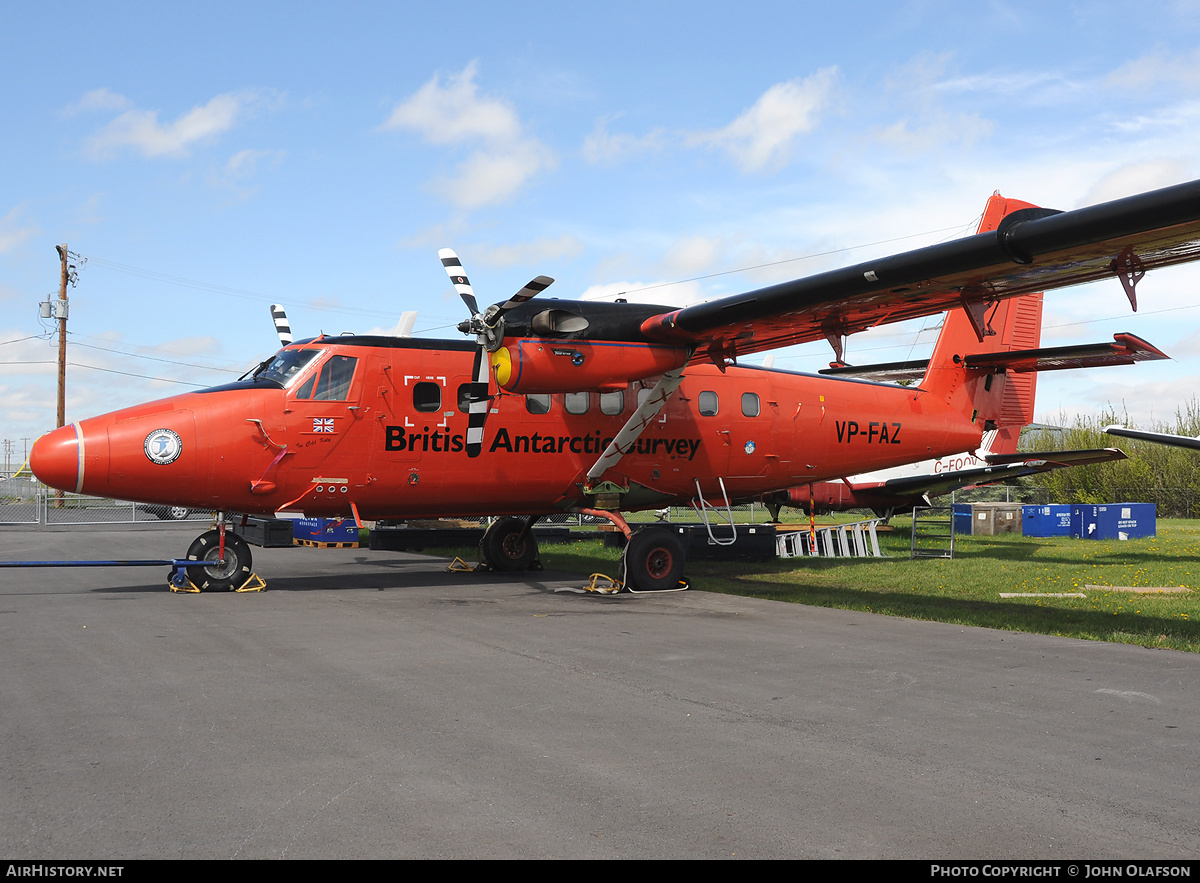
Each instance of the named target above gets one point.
<point>509,545</point>
<point>653,560</point>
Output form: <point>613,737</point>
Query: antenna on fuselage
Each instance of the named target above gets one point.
<point>404,328</point>
<point>282,328</point>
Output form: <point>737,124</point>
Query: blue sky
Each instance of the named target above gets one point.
<point>210,161</point>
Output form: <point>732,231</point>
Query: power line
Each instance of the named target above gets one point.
<point>151,358</point>
<point>227,290</point>
<point>105,370</point>
<point>807,257</point>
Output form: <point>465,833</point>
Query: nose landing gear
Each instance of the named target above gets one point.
<point>219,570</point>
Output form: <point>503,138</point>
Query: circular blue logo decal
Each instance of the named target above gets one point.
<point>163,446</point>
<point>749,447</point>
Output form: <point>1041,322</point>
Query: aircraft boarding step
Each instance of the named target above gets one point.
<point>854,540</point>
<point>932,532</point>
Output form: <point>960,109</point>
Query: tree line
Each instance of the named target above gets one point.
<point>1153,473</point>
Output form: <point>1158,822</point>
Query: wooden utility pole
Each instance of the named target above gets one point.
<point>62,336</point>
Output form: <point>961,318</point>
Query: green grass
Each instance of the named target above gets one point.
<point>966,590</point>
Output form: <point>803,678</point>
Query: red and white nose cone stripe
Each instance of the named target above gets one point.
<point>57,458</point>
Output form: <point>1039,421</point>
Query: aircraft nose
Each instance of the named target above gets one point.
<point>56,458</point>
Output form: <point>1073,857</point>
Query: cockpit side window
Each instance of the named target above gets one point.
<point>331,383</point>
<point>287,365</point>
<point>334,383</point>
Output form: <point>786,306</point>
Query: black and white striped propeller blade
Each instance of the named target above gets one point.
<point>477,410</point>
<point>282,328</point>
<point>458,276</point>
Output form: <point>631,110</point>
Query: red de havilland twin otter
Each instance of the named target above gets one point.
<point>562,406</point>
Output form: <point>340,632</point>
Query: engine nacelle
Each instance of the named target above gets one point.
<point>537,365</point>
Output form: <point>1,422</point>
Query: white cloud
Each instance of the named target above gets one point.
<point>14,233</point>
<point>456,114</point>
<point>141,131</point>
<point>1133,178</point>
<point>437,236</point>
<point>692,255</point>
<point>761,139</point>
<point>243,167</point>
<point>602,148</point>
<point>532,252</point>
<point>677,294</point>
<point>935,129</point>
<point>489,177</point>
<point>1160,67</point>
<point>98,99</point>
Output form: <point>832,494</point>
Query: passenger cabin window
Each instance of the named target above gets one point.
<point>331,382</point>
<point>427,396</point>
<point>537,404</point>
<point>612,403</point>
<point>750,404</point>
<point>707,403</point>
<point>577,402</point>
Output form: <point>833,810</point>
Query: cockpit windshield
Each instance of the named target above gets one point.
<point>286,365</point>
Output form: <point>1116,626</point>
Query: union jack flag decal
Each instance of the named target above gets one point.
<point>322,425</point>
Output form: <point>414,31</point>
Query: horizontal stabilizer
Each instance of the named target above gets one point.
<point>1162,438</point>
<point>1125,349</point>
<point>1001,468</point>
<point>1059,458</point>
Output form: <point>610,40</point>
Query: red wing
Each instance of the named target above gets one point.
<point>1032,250</point>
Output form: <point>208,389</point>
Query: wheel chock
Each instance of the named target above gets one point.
<point>253,583</point>
<point>603,584</point>
<point>178,582</point>
<point>459,566</point>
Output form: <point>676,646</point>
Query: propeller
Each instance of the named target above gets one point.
<point>488,328</point>
<point>282,328</point>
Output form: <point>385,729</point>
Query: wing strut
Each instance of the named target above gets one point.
<point>636,424</point>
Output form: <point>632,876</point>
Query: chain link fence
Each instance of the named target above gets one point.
<point>25,500</point>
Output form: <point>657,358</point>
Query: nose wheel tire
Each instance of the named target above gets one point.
<point>508,546</point>
<point>213,574</point>
<point>653,560</point>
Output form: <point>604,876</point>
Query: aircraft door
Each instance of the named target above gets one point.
<point>323,411</point>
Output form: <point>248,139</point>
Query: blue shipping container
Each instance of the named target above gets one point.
<point>1114,521</point>
<point>1046,521</point>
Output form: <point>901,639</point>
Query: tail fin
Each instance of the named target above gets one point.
<point>994,401</point>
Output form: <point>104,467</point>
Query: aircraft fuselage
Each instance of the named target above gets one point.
<point>381,423</point>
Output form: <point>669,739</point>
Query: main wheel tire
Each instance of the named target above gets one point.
<point>506,545</point>
<point>653,560</point>
<point>216,576</point>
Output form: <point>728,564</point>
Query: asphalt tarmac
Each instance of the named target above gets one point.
<point>370,705</point>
